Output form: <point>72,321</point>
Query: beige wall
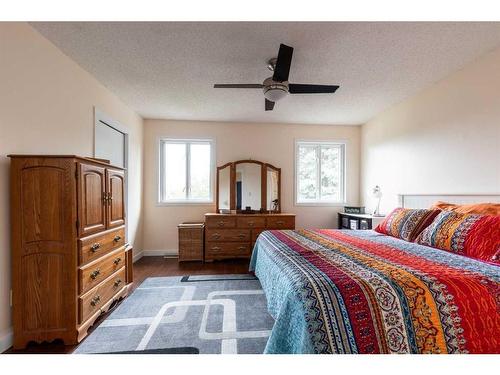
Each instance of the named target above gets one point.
<point>272,143</point>
<point>446,139</point>
<point>46,106</point>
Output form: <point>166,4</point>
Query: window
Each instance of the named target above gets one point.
<point>186,170</point>
<point>319,172</point>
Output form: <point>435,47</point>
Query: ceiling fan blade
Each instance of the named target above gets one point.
<point>283,62</point>
<point>238,86</point>
<point>294,88</point>
<point>269,105</point>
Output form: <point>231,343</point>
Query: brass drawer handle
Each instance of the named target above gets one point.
<point>242,248</point>
<point>242,235</point>
<point>117,238</point>
<point>251,223</point>
<point>118,282</point>
<point>221,223</point>
<point>95,247</point>
<point>216,235</point>
<point>96,300</point>
<point>117,260</point>
<point>216,248</point>
<point>94,274</point>
<point>280,222</point>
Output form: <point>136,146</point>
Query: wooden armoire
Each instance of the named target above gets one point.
<point>70,259</point>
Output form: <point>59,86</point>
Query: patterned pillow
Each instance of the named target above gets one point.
<point>472,235</point>
<point>406,223</point>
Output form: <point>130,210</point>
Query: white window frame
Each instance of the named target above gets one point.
<point>187,201</point>
<point>343,147</point>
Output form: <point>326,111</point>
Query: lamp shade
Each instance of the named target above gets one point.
<point>377,192</point>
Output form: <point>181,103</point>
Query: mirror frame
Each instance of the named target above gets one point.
<point>263,184</point>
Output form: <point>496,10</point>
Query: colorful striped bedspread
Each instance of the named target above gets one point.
<point>333,291</point>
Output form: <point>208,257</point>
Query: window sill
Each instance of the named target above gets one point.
<point>185,203</point>
<point>320,204</point>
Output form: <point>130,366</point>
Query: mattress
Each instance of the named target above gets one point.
<point>335,291</point>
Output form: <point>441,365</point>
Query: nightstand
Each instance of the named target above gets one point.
<point>358,221</point>
<point>191,241</point>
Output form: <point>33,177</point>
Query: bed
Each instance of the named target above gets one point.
<point>334,291</point>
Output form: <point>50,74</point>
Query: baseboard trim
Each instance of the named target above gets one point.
<point>6,340</point>
<point>173,253</point>
<point>137,256</point>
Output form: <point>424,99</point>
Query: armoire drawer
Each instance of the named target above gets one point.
<point>228,235</point>
<point>95,272</point>
<point>92,301</point>
<point>95,246</point>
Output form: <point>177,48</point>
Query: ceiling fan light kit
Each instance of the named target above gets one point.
<point>277,87</point>
<point>274,91</point>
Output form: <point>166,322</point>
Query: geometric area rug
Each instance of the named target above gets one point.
<point>206,314</point>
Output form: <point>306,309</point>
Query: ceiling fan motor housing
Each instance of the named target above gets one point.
<point>273,90</point>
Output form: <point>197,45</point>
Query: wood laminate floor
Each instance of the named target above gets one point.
<point>144,268</point>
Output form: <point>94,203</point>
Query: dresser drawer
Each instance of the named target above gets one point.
<point>95,246</point>
<point>281,222</point>
<point>228,235</point>
<point>221,222</point>
<point>91,302</point>
<point>95,272</point>
<point>251,222</point>
<point>255,234</point>
<point>227,249</point>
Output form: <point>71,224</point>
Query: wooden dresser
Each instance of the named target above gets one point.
<point>233,235</point>
<point>70,260</point>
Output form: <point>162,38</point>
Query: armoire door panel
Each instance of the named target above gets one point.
<point>116,198</point>
<point>91,198</point>
<point>45,303</point>
<point>43,216</point>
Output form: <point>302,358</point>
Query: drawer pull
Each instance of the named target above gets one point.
<point>216,248</point>
<point>118,282</point>
<point>280,222</point>
<point>241,235</point>
<point>117,238</point>
<point>216,236</point>
<point>96,300</point>
<point>94,274</point>
<point>117,261</point>
<point>241,248</point>
<point>221,223</point>
<point>95,247</point>
<point>251,223</point>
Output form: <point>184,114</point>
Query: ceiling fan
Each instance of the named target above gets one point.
<point>277,86</point>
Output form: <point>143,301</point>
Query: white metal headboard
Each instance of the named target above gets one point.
<point>427,200</point>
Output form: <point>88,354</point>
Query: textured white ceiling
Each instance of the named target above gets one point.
<point>167,69</point>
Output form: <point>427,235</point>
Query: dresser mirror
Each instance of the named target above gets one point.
<point>224,184</point>
<point>246,186</point>
<point>273,188</point>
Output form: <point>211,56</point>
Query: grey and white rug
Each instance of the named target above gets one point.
<point>211,314</point>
